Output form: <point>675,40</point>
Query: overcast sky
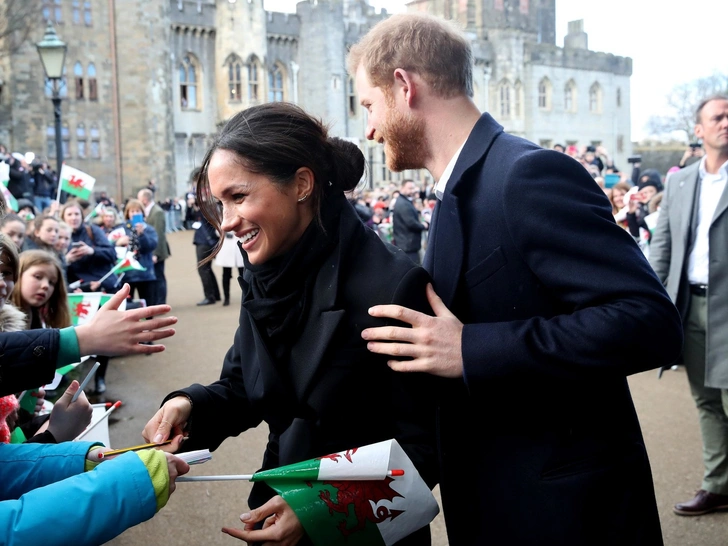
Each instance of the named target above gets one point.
<point>668,45</point>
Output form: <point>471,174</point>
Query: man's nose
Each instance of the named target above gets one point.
<point>370,132</point>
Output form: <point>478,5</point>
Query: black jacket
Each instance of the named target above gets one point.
<point>333,394</point>
<point>21,181</point>
<point>27,359</point>
<point>406,227</point>
<point>540,442</point>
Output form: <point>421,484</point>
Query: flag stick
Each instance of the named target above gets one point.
<point>113,269</point>
<point>85,382</point>
<point>248,477</point>
<point>104,416</point>
<point>58,195</point>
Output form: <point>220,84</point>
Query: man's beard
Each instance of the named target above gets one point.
<point>405,144</point>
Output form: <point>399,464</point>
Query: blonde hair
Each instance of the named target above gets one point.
<point>55,311</point>
<point>433,48</point>
<point>133,203</point>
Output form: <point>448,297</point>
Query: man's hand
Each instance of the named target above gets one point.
<point>281,526</point>
<point>434,343</point>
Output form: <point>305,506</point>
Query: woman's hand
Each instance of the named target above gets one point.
<point>281,525</point>
<point>69,419</point>
<point>140,227</point>
<point>170,419</point>
<point>75,254</point>
<point>122,241</point>
<point>112,332</point>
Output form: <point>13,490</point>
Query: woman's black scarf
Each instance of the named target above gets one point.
<point>279,292</point>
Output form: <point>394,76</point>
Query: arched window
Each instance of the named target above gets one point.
<point>275,84</point>
<point>81,140</point>
<point>52,11</point>
<point>570,96</point>
<point>78,79</point>
<point>595,98</point>
<point>518,100</point>
<point>235,78</point>
<point>504,99</point>
<point>351,96</point>
<point>619,97</point>
<point>189,76</point>
<point>88,21</point>
<point>95,142</point>
<point>93,92</point>
<point>253,81</point>
<point>544,94</point>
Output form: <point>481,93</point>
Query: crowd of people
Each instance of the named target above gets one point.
<point>535,263</point>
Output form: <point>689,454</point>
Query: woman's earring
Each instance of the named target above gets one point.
<point>302,199</point>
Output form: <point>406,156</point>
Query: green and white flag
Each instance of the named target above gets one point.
<point>76,182</point>
<point>129,263</point>
<point>4,181</point>
<point>356,497</point>
<point>85,305</point>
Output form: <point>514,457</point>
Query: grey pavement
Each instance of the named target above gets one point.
<point>197,511</point>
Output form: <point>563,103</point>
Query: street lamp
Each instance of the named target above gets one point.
<point>52,52</point>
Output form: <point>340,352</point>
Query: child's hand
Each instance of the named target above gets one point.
<point>39,399</point>
<point>68,420</point>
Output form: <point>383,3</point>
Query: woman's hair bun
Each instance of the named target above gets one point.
<point>348,164</point>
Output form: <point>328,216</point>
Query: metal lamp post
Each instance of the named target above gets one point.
<point>52,52</point>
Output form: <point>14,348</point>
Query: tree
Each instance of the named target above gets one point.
<point>17,19</point>
<point>682,102</point>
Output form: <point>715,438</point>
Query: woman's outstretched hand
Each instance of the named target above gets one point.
<point>281,526</point>
<point>169,422</point>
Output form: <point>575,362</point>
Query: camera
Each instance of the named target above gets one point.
<point>634,159</point>
<point>591,149</point>
<point>695,145</point>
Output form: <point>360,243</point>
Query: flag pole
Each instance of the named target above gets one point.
<point>58,194</point>
<point>248,477</point>
<point>104,416</point>
<point>113,269</point>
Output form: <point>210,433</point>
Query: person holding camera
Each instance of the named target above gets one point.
<point>693,154</point>
<point>46,184</point>
<point>689,254</point>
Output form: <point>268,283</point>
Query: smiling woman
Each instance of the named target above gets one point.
<point>276,181</point>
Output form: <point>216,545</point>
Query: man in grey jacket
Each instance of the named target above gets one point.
<point>689,252</point>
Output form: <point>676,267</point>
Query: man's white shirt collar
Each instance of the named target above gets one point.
<point>722,171</point>
<point>447,173</point>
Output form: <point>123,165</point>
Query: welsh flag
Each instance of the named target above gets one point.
<point>5,180</point>
<point>356,497</point>
<point>116,234</point>
<point>76,182</point>
<point>129,263</point>
<point>85,305</point>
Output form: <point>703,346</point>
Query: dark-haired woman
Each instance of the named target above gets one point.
<point>312,271</point>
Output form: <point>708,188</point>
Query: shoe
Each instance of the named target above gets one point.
<point>704,502</point>
<point>100,386</point>
<point>226,302</point>
<point>206,301</point>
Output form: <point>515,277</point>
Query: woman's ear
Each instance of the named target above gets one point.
<point>305,182</point>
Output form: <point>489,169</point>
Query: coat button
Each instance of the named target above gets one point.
<point>38,351</point>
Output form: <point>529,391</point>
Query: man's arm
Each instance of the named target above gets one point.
<point>661,241</point>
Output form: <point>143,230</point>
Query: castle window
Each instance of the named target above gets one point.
<point>619,97</point>
<point>76,11</point>
<point>544,94</point>
<point>595,98</point>
<point>188,83</point>
<point>275,85</point>
<point>504,98</point>
<point>518,100</point>
<point>93,92</point>
<point>351,96</point>
<point>95,142</point>
<point>235,85</point>
<point>570,96</point>
<point>253,81</point>
<point>88,21</point>
<point>66,140</point>
<point>78,79</point>
<point>52,11</point>
<point>81,140</point>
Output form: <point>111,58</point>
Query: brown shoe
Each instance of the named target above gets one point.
<point>704,502</point>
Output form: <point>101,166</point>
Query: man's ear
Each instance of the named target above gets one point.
<point>698,131</point>
<point>405,86</point>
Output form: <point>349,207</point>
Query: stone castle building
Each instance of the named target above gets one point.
<point>150,81</point>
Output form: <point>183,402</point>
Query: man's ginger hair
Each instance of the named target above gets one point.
<point>433,48</point>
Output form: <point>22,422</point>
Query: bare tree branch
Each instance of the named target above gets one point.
<point>17,19</point>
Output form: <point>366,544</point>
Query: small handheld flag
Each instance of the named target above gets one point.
<point>76,182</point>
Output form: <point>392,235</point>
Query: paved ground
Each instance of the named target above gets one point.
<point>197,511</point>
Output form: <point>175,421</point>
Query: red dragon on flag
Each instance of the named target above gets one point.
<point>75,182</point>
<point>81,309</point>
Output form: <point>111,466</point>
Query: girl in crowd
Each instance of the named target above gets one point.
<point>312,271</point>
<point>41,292</point>
<point>13,226</point>
<point>64,239</point>
<point>619,207</point>
<point>228,258</point>
<point>43,234</point>
<point>141,240</point>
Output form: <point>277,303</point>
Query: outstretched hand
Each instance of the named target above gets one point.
<point>69,419</point>
<point>281,525</point>
<point>434,343</point>
<point>169,421</point>
<point>113,333</point>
